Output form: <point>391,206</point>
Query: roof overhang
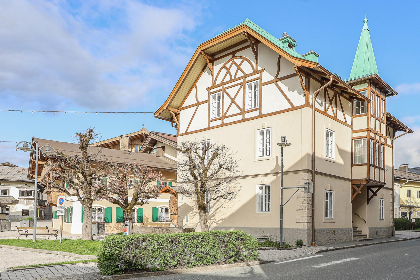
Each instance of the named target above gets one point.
<point>397,124</point>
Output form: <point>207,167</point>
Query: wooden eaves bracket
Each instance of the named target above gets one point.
<point>356,190</point>
<point>209,59</point>
<point>253,43</point>
<point>372,193</point>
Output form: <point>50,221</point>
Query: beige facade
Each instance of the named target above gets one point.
<point>407,194</point>
<point>251,92</point>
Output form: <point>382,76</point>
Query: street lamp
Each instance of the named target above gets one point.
<point>282,144</point>
<point>46,150</point>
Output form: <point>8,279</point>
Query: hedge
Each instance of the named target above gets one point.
<point>402,224</point>
<point>124,253</point>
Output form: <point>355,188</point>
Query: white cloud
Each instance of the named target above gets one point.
<point>410,120</point>
<point>407,149</point>
<point>408,88</point>
<point>99,55</point>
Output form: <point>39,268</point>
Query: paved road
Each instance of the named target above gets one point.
<point>398,260</point>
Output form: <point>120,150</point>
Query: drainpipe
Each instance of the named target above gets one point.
<point>314,95</point>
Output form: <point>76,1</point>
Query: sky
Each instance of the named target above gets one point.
<point>127,55</point>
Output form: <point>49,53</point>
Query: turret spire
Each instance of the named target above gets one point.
<point>364,63</point>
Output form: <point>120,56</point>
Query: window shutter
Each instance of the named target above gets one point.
<point>267,142</point>
<point>170,184</point>
<point>120,216</point>
<point>219,104</point>
<point>55,215</point>
<point>261,143</point>
<point>256,94</point>
<point>82,214</point>
<point>158,183</point>
<point>155,214</point>
<point>104,181</point>
<point>71,214</point>
<point>108,215</point>
<point>139,215</point>
<point>260,198</point>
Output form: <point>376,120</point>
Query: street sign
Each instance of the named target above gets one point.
<point>60,205</point>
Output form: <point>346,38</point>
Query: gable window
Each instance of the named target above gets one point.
<point>263,198</point>
<point>264,142</point>
<point>408,193</point>
<point>4,192</point>
<point>372,151</point>
<point>97,214</point>
<point>252,95</point>
<point>329,204</point>
<point>372,104</point>
<point>359,107</point>
<point>216,105</point>
<point>359,151</point>
<point>329,140</point>
<point>381,209</point>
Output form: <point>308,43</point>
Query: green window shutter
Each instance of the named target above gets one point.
<point>71,214</point>
<point>104,181</point>
<point>108,215</point>
<point>155,214</point>
<point>170,184</point>
<point>55,215</point>
<point>158,183</point>
<point>82,214</point>
<point>65,215</point>
<point>140,215</point>
<point>120,218</point>
<point>68,214</point>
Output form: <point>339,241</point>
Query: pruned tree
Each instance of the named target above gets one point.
<point>77,174</point>
<point>130,184</point>
<point>208,173</point>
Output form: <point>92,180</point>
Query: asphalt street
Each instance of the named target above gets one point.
<point>397,260</point>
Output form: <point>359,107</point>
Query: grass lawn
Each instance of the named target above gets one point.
<point>82,247</point>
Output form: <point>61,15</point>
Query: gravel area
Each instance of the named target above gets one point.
<point>23,256</point>
<point>279,255</point>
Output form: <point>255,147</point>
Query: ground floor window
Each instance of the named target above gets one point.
<point>97,214</point>
<point>5,210</point>
<point>381,209</point>
<point>263,198</point>
<point>25,212</point>
<point>4,192</point>
<point>163,214</point>
<point>329,204</point>
<point>404,214</point>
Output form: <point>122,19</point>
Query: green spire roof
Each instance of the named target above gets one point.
<point>364,63</point>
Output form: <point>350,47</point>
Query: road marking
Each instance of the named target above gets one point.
<point>335,262</point>
<point>305,258</point>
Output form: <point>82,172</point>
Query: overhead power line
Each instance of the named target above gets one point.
<point>72,112</point>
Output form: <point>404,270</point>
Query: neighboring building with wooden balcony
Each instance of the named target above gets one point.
<point>245,88</point>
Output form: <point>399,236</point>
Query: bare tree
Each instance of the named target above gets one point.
<point>208,173</point>
<point>77,175</point>
<point>130,180</point>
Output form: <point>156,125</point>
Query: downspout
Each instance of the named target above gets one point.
<point>314,95</point>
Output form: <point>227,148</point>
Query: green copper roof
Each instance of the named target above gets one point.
<point>364,63</point>
<point>283,42</point>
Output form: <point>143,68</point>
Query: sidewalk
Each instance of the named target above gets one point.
<point>90,270</point>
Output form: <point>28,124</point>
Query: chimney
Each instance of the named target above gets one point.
<point>124,143</point>
<point>403,167</point>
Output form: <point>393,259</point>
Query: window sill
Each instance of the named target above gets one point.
<point>330,221</point>
<point>330,160</point>
<point>263,158</point>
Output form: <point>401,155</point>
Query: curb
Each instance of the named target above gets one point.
<point>365,244</point>
<point>60,253</point>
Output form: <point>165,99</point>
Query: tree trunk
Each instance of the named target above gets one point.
<point>87,222</point>
<point>203,220</point>
<point>128,216</point>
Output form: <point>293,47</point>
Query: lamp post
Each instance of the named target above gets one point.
<point>29,147</point>
<point>282,144</point>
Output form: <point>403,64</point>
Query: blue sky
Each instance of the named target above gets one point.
<point>127,55</point>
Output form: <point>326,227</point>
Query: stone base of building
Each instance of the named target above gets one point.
<point>333,235</point>
<point>380,232</point>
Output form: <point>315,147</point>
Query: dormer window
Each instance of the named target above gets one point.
<point>290,46</point>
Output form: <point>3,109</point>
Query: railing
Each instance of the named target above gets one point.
<point>360,217</point>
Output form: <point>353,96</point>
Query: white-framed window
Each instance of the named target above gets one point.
<point>376,153</point>
<point>418,194</point>
<point>404,214</point>
<point>252,95</point>
<point>418,214</point>
<point>360,107</point>
<point>381,209</point>
<point>372,151</point>
<point>383,109</point>
<point>377,106</point>
<point>372,103</point>
<point>330,146</point>
<point>163,214</point>
<point>205,146</point>
<point>97,214</point>
<point>263,198</point>
<point>408,193</point>
<point>5,210</point>
<point>329,204</point>
<point>359,151</point>
<point>381,148</point>
<point>207,201</point>
<point>4,192</point>
<point>216,105</point>
<point>26,193</point>
<point>264,142</point>
<point>186,218</point>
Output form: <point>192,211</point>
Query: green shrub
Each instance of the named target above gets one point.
<point>402,224</point>
<point>123,253</point>
<point>299,243</point>
<point>417,223</point>
<point>270,243</point>
<point>27,218</point>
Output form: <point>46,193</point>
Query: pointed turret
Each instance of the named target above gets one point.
<point>364,63</point>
